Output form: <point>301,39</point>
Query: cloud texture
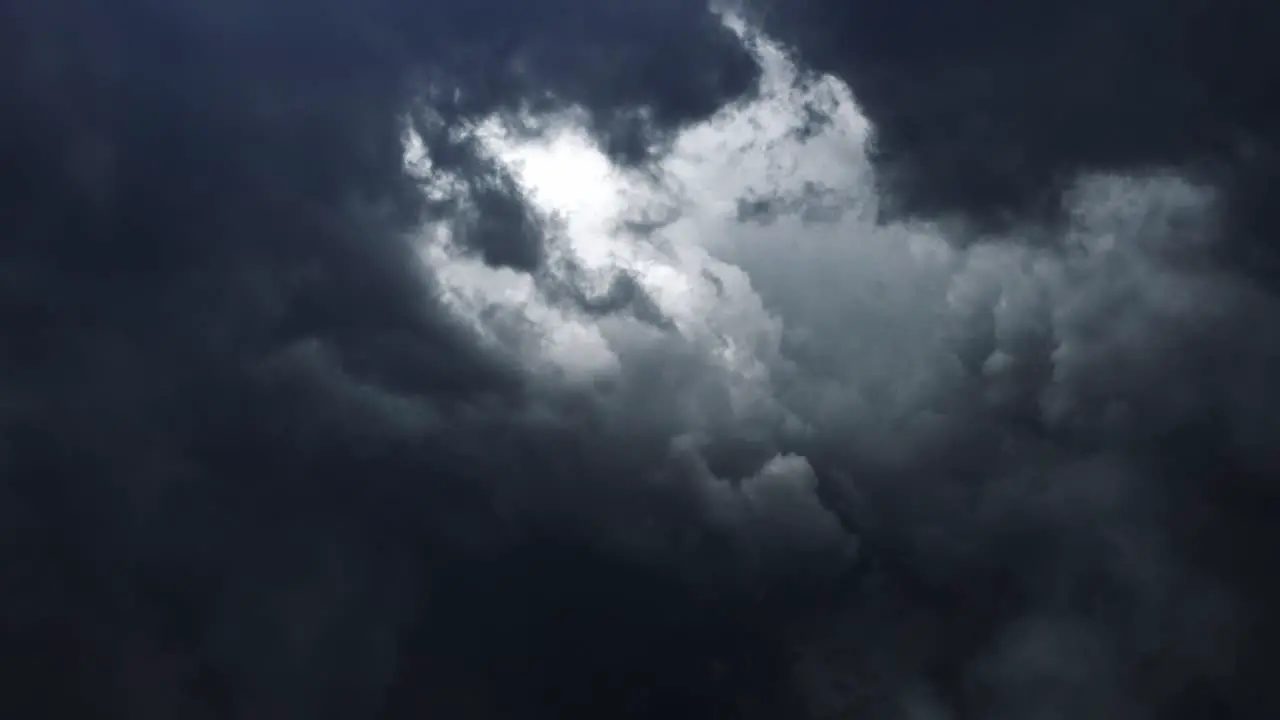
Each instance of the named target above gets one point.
<point>584,359</point>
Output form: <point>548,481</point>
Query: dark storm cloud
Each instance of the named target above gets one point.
<point>1088,469</point>
<point>1012,432</point>
<point>237,463</point>
<point>989,110</point>
<point>252,464</point>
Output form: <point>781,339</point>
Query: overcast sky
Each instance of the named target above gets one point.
<point>824,360</point>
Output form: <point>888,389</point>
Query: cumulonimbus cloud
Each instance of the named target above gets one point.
<point>667,421</point>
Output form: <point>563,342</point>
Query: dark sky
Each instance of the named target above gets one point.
<point>253,466</point>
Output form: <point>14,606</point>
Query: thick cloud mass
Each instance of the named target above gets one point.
<point>989,109</point>
<point>398,359</point>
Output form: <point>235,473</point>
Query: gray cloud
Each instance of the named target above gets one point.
<point>989,113</point>
<point>270,448</point>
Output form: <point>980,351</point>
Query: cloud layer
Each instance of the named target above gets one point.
<point>394,359</point>
<point>988,111</point>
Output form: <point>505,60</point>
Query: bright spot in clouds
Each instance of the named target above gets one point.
<point>794,324</point>
<point>815,316</point>
<point>748,149</point>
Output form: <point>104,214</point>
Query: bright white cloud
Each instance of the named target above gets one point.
<point>832,322</point>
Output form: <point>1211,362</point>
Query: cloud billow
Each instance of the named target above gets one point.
<point>988,111</point>
<point>293,427</point>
